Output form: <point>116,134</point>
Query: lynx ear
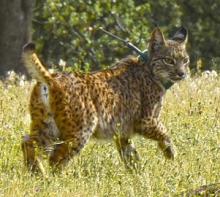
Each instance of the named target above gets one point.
<point>181,35</point>
<point>157,40</point>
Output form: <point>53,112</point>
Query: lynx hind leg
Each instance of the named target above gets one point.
<point>74,137</point>
<point>127,152</point>
<point>28,149</point>
<point>68,148</point>
<point>35,142</point>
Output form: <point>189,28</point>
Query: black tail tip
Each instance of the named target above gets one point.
<point>30,46</point>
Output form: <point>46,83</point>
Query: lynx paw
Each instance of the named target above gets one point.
<point>168,149</point>
<point>169,152</point>
<point>130,157</point>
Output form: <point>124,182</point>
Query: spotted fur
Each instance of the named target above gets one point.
<point>67,109</point>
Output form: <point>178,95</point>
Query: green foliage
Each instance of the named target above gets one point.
<point>204,27</point>
<point>191,114</point>
<point>69,29</point>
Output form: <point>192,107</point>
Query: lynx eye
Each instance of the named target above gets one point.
<point>168,61</point>
<point>186,60</point>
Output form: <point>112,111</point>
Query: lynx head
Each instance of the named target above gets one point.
<point>169,58</point>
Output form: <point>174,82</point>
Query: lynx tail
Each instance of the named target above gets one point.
<point>34,65</point>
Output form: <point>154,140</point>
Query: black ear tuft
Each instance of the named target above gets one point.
<point>181,35</point>
<point>30,46</point>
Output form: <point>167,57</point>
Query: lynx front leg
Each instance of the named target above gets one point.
<point>154,129</point>
<point>127,152</point>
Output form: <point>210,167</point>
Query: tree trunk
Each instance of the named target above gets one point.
<point>15,31</point>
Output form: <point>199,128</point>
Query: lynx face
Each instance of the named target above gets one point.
<point>170,60</point>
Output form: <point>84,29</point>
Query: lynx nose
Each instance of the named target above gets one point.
<point>181,74</point>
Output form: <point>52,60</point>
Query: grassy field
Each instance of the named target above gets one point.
<point>191,113</point>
